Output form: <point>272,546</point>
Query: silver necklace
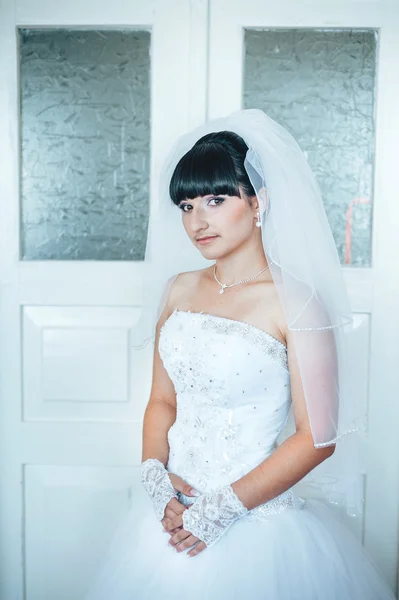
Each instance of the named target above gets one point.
<point>224,285</point>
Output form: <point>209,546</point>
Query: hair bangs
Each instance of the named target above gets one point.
<point>206,169</point>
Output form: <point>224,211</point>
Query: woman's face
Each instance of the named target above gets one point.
<point>228,220</point>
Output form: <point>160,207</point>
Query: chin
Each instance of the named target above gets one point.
<point>210,255</point>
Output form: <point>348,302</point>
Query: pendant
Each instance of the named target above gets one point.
<point>222,290</point>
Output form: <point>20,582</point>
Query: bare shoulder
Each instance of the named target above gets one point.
<point>189,278</point>
<point>187,286</point>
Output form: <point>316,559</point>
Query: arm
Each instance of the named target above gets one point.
<point>213,513</point>
<point>296,456</point>
<point>159,415</point>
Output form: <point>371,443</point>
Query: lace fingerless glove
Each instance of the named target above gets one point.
<point>156,481</point>
<point>212,514</point>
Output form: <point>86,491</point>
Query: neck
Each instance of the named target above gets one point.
<point>233,268</point>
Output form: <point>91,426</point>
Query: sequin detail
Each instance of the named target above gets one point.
<point>232,399</point>
<point>271,346</point>
<point>265,511</point>
<point>274,506</point>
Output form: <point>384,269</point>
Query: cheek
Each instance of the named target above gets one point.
<point>236,221</point>
<point>185,223</point>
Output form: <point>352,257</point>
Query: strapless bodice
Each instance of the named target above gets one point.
<point>232,392</point>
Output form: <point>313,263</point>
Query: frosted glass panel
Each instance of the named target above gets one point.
<point>85,139</point>
<point>320,84</point>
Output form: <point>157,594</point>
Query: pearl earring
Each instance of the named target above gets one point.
<point>258,222</point>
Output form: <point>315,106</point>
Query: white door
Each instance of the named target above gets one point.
<point>93,94</point>
<point>326,71</point>
<point>82,142</point>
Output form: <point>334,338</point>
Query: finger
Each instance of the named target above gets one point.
<point>175,530</point>
<point>170,513</point>
<point>186,543</point>
<point>172,531</point>
<point>179,537</point>
<point>197,549</point>
<point>164,525</point>
<point>171,524</point>
<point>182,486</point>
<point>176,506</point>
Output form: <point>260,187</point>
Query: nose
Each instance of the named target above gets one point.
<point>198,221</point>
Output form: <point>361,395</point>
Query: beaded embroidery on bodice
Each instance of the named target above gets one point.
<point>232,394</point>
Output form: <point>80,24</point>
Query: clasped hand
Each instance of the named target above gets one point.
<point>173,521</point>
<point>208,518</point>
<point>202,523</point>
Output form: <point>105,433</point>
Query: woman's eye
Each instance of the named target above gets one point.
<point>217,200</point>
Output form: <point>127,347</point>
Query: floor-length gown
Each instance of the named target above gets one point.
<point>233,396</point>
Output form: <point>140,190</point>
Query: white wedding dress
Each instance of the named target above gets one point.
<point>233,396</point>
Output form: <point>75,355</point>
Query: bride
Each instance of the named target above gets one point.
<point>262,333</point>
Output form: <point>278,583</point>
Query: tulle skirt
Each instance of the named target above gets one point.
<point>297,554</point>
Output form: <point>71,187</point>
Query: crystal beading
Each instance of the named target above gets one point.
<point>232,400</point>
<point>275,349</point>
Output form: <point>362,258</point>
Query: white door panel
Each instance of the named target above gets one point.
<point>374,287</point>
<point>73,391</point>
